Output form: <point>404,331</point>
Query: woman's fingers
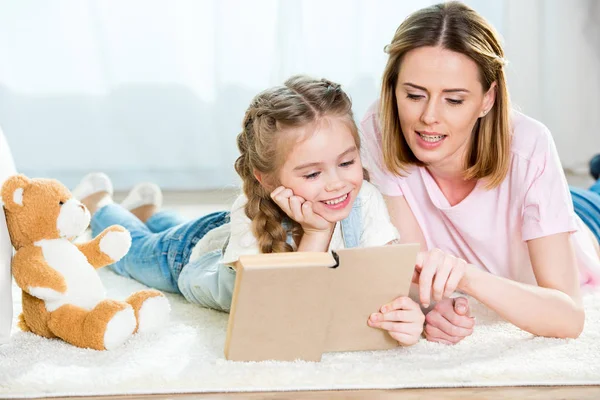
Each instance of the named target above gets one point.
<point>431,263</point>
<point>441,277</point>
<point>434,334</point>
<point>436,319</point>
<point>455,277</point>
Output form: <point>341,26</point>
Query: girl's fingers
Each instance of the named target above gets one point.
<point>296,208</point>
<point>277,191</point>
<point>405,339</point>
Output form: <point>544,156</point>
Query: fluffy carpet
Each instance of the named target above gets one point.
<point>187,356</point>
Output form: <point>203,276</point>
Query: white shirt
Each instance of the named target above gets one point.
<point>377,229</point>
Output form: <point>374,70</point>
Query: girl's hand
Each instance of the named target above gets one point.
<point>300,211</point>
<point>449,321</point>
<point>402,318</point>
<point>437,274</point>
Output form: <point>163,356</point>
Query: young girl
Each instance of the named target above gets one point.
<point>303,190</point>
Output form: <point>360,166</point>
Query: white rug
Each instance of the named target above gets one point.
<point>187,356</point>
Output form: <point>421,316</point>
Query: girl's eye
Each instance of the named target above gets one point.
<point>312,176</point>
<point>414,96</point>
<point>347,163</point>
<point>455,101</point>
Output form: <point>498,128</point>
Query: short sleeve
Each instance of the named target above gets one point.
<point>547,207</point>
<point>372,155</point>
<point>241,240</point>
<point>377,229</point>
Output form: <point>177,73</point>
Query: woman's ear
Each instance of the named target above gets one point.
<point>489,98</point>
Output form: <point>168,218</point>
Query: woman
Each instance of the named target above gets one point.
<point>478,185</point>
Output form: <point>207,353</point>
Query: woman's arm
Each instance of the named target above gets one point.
<point>447,321</point>
<point>554,308</point>
<point>404,220</point>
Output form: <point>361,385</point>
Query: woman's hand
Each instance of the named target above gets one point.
<point>300,211</point>
<point>402,318</point>
<point>449,321</point>
<point>438,275</point>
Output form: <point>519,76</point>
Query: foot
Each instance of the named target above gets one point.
<point>95,190</point>
<point>143,200</point>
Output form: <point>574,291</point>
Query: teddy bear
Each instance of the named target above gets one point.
<point>62,293</point>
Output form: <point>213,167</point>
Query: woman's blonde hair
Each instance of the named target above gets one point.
<point>456,27</point>
<point>299,102</point>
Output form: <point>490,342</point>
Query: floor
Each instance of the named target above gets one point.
<point>521,393</point>
<point>194,204</point>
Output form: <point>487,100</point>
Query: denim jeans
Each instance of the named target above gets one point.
<point>587,206</point>
<point>161,247</point>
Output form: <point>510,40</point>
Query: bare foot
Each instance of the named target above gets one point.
<point>96,200</point>
<point>144,212</point>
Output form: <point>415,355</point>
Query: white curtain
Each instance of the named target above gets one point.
<point>156,90</point>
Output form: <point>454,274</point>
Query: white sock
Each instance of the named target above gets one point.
<point>143,194</point>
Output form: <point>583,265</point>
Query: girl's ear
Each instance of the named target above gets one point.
<point>265,180</point>
<point>259,177</point>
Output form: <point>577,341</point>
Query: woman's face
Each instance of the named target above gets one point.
<point>440,97</point>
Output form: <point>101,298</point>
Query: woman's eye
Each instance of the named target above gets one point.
<point>414,96</point>
<point>455,101</point>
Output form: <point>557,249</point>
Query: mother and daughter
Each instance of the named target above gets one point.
<point>451,166</point>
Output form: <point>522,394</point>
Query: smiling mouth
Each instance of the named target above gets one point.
<point>431,138</point>
<point>336,200</point>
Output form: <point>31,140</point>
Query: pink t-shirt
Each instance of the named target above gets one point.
<point>489,228</point>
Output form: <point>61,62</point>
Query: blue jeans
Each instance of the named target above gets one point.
<point>587,206</point>
<point>596,187</point>
<point>161,247</point>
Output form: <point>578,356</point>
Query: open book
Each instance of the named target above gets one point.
<point>290,306</point>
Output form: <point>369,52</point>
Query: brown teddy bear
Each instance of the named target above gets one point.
<point>63,295</point>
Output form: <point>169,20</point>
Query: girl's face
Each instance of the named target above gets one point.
<point>324,167</point>
<point>440,98</point>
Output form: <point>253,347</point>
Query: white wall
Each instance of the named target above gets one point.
<point>156,90</point>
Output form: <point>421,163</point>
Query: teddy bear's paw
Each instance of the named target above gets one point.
<point>115,244</point>
<point>153,314</point>
<point>119,328</point>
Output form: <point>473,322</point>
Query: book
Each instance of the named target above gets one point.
<point>299,305</point>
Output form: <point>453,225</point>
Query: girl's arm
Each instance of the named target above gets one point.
<point>554,308</point>
<point>317,231</point>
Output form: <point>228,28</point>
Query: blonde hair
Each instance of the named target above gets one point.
<point>456,27</point>
<point>297,103</point>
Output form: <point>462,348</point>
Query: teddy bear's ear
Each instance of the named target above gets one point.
<point>12,191</point>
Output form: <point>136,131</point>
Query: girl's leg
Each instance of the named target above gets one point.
<point>156,259</point>
<point>145,260</point>
<point>164,220</point>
